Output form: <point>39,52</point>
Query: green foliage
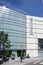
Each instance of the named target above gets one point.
<point>4,42</point>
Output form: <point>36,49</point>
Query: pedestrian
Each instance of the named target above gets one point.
<point>21,59</point>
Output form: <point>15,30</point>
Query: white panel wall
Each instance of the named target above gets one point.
<point>32,53</point>
<point>32,40</point>
<point>37,32</point>
<point>40,36</point>
<point>32,47</point>
<point>39,28</point>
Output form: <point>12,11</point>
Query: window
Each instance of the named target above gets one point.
<point>31,26</point>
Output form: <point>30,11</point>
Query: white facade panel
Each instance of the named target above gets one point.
<point>40,36</point>
<point>33,35</point>
<point>32,53</point>
<point>32,46</point>
<point>34,32</point>
<point>31,40</point>
<point>38,26</point>
<point>39,31</point>
<point>39,22</point>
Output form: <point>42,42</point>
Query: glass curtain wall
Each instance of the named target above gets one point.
<point>14,23</point>
<point>40,45</point>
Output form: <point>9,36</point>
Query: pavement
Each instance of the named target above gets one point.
<point>27,61</point>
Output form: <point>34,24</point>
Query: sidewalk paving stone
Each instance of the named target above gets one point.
<point>18,62</point>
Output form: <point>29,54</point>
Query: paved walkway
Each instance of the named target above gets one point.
<point>26,61</point>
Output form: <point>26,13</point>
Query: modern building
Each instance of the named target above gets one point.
<point>34,36</point>
<point>25,32</point>
<point>14,23</point>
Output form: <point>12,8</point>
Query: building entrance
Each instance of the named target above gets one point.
<point>19,53</point>
<point>40,47</point>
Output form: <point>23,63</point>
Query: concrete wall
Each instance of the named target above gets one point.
<point>34,32</point>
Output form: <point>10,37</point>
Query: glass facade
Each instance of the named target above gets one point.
<point>14,23</point>
<point>24,31</point>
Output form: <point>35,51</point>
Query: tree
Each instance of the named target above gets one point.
<point>4,41</point>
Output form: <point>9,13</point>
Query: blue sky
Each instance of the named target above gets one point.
<point>30,7</point>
